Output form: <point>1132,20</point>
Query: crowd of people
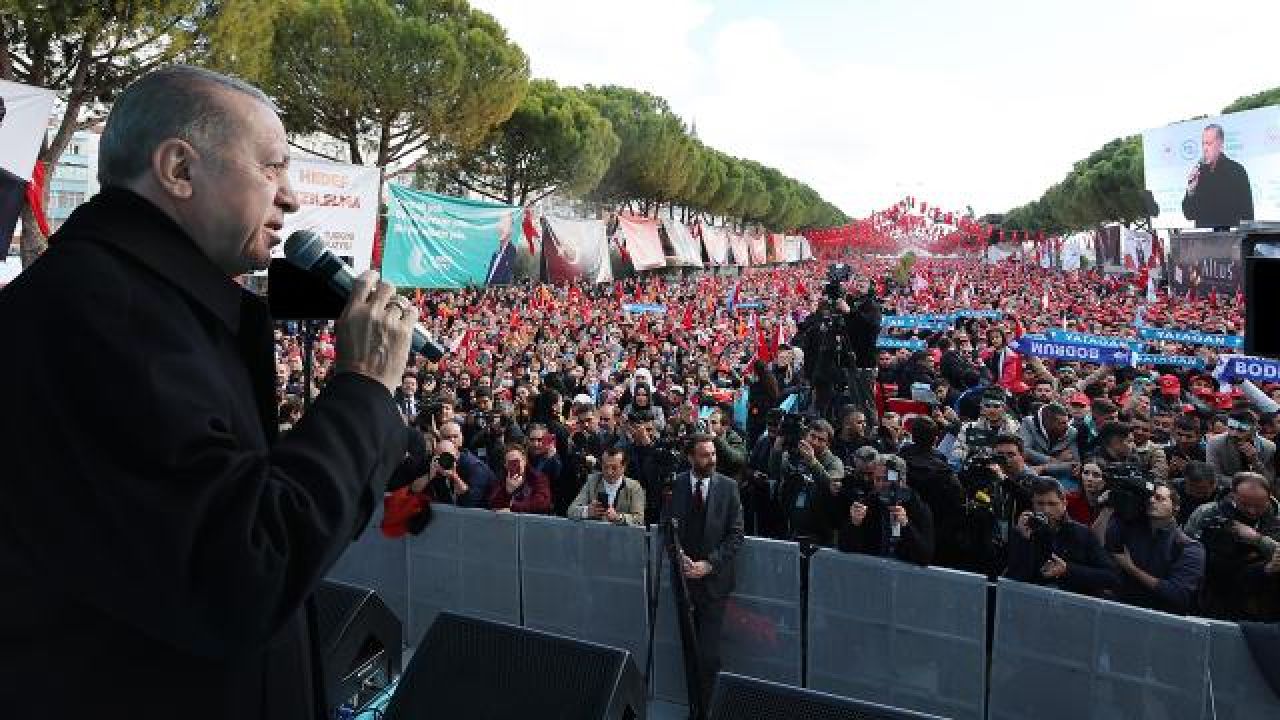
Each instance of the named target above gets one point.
<point>1152,486</point>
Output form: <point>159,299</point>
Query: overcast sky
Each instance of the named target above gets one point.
<point>982,102</point>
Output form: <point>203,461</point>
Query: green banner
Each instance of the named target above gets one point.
<point>435,241</point>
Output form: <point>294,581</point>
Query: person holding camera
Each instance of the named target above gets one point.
<point>993,420</point>
<point>839,343</point>
<point>807,476</point>
<point>1160,566</point>
<point>1049,548</point>
<point>610,496</point>
<point>731,449</point>
<point>446,482</point>
<point>1241,536</point>
<point>1241,449</point>
<point>888,519</point>
<point>1188,446</point>
<point>649,465</point>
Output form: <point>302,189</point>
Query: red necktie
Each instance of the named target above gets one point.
<point>697,496</point>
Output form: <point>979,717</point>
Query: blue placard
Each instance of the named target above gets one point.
<point>1057,350</point>
<point>1192,337</point>
<point>1183,361</point>
<point>1246,367</point>
<point>983,314</point>
<point>1080,338</point>
<point>641,308</point>
<point>915,322</point>
<point>891,343</point>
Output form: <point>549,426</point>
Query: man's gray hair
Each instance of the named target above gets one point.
<point>177,101</point>
<point>823,427</point>
<point>1222,135</point>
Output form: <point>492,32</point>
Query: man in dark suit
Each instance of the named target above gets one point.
<point>1218,191</point>
<point>710,513</point>
<point>502,264</point>
<point>173,537</point>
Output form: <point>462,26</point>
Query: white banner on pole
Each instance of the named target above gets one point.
<point>339,202</point>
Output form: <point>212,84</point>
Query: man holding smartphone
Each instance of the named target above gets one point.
<point>609,495</point>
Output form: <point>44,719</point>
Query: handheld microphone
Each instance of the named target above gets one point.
<point>306,250</point>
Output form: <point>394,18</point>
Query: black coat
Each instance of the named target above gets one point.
<point>1222,198</point>
<point>152,533</point>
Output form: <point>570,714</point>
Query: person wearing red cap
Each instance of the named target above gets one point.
<point>1170,392</point>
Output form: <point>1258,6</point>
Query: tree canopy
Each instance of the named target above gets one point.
<point>388,77</point>
<point>555,141</point>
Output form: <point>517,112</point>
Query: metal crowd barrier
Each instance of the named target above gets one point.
<point>1060,655</point>
<point>897,634</point>
<point>761,632</point>
<point>877,629</point>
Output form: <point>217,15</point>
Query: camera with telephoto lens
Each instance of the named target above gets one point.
<point>1129,490</point>
<point>978,476</point>
<point>792,430</point>
<point>837,275</point>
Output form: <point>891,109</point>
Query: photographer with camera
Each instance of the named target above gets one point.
<point>1016,477</point>
<point>1241,537</point>
<point>1188,446</point>
<point>652,466</point>
<point>731,449</point>
<point>1160,566</point>
<point>994,420</point>
<point>610,496</point>
<point>1049,548</point>
<point>888,519</point>
<point>582,458</point>
<point>1241,449</point>
<point>807,476</point>
<point>493,434</point>
<point>446,483</point>
<point>839,343</point>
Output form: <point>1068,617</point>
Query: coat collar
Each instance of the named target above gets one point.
<point>134,226</point>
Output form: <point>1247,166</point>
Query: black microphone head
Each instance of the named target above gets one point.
<point>304,248</point>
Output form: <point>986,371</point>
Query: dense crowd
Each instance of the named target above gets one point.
<point>1149,485</point>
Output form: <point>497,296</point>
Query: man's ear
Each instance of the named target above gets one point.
<point>171,166</point>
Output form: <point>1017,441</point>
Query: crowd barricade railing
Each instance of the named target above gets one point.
<point>468,561</point>
<point>1061,655</point>
<point>761,630</point>
<point>897,634</point>
<point>877,629</point>
<point>1237,690</point>
<point>585,580</point>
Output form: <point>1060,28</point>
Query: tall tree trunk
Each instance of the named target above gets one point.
<point>32,243</point>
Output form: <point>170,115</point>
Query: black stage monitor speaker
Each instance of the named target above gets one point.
<point>742,698</point>
<point>484,670</point>
<point>360,642</point>
<point>1261,255</point>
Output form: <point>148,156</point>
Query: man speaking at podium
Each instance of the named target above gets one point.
<point>158,548</point>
